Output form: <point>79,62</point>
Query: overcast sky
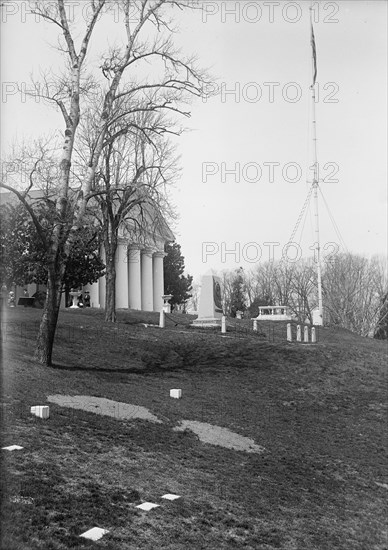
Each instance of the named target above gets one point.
<point>245,159</point>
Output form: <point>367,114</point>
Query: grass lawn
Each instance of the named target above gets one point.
<point>319,411</point>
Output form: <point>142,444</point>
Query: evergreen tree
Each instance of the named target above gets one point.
<point>24,259</point>
<point>237,301</point>
<point>175,282</point>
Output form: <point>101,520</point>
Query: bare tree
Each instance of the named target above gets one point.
<point>130,191</point>
<point>354,289</point>
<point>167,79</point>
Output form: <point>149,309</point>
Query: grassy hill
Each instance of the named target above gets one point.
<point>319,411</point>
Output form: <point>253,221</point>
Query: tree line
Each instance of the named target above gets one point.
<point>355,291</point>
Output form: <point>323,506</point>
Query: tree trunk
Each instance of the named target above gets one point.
<point>48,323</point>
<point>110,283</point>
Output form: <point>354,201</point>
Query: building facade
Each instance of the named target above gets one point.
<point>138,264</point>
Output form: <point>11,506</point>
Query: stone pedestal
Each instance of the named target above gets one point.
<point>74,297</point>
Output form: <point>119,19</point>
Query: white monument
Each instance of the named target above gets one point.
<point>210,301</point>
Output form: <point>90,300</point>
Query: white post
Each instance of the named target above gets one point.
<point>223,324</point>
<point>289,332</point>
<point>298,334</point>
<point>161,319</point>
<point>255,325</point>
<point>306,334</point>
<point>313,335</point>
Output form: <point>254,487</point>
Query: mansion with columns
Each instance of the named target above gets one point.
<point>138,264</point>
<point>139,278</point>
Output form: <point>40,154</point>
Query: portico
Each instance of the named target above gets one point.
<point>139,279</point>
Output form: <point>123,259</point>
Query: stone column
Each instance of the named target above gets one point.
<point>101,281</point>
<point>147,302</point>
<point>158,280</point>
<point>134,277</point>
<point>121,265</point>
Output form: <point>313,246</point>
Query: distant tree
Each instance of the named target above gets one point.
<point>175,282</point>
<point>381,332</point>
<point>237,300</point>
<point>24,258</point>
<point>354,288</point>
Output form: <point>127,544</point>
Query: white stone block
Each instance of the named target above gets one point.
<point>177,394</point>
<point>94,534</point>
<point>289,332</point>
<point>12,448</point>
<point>42,411</point>
<point>170,497</point>
<point>147,506</point>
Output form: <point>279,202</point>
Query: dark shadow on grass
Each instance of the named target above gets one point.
<point>129,370</point>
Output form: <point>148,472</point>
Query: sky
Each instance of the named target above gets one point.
<point>246,153</point>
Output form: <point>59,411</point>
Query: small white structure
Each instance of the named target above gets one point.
<point>306,334</point>
<point>177,394</point>
<point>42,411</point>
<point>313,335</point>
<point>298,333</point>
<point>169,496</point>
<point>166,304</point>
<point>74,296</point>
<point>274,313</point>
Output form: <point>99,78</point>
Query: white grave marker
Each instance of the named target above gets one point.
<point>94,534</point>
<point>42,411</point>
<point>147,506</point>
<point>170,497</point>
<point>177,394</point>
<point>12,448</point>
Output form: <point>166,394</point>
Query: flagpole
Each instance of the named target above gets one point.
<point>316,176</point>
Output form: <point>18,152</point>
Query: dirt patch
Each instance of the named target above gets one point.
<point>106,407</point>
<point>215,435</point>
